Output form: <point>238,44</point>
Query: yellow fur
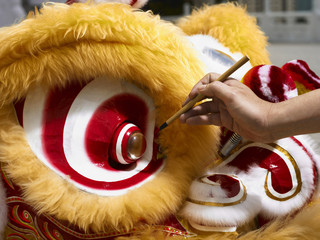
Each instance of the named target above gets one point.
<point>230,25</point>
<point>80,42</point>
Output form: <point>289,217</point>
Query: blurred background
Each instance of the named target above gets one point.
<point>292,26</point>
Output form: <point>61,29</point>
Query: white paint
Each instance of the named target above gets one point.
<point>119,143</point>
<point>79,115</point>
<point>202,42</point>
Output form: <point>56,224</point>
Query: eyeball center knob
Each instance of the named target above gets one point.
<point>128,144</point>
<point>136,145</point>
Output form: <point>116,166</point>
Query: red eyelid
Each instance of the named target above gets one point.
<point>107,119</point>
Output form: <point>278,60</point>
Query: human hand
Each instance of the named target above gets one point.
<point>233,106</point>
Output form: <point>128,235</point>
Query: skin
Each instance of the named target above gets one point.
<point>237,108</point>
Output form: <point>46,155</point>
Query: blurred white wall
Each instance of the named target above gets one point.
<point>291,26</point>
<point>11,11</point>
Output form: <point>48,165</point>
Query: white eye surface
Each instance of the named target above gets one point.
<point>73,131</point>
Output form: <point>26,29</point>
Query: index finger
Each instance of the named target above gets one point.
<point>210,77</point>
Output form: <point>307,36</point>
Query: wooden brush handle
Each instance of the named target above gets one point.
<point>200,97</point>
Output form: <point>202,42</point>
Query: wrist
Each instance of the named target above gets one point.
<point>277,126</point>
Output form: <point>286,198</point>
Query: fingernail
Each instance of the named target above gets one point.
<point>182,120</point>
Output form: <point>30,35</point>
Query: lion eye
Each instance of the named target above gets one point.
<point>136,145</point>
<point>128,144</point>
<point>99,135</point>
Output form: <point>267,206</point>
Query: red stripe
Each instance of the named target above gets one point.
<point>71,2</point>
<point>133,2</point>
<point>229,184</point>
<point>277,78</point>
<point>54,117</point>
<point>315,174</point>
<point>264,158</point>
<point>300,72</point>
<point>124,144</point>
<point>19,110</point>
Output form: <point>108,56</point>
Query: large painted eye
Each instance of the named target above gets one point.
<point>128,144</point>
<point>99,135</point>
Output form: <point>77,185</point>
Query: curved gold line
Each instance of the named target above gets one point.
<point>4,175</point>
<point>214,204</point>
<point>297,171</point>
<point>223,53</point>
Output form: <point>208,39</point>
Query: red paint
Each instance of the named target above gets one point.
<point>280,174</point>
<point>133,2</point>
<point>107,119</point>
<point>315,173</point>
<point>303,74</point>
<point>277,79</point>
<point>54,117</point>
<point>69,2</point>
<point>99,132</point>
<point>227,183</point>
<point>19,111</point>
<point>252,80</point>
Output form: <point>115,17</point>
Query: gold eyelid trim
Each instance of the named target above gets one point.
<point>223,53</point>
<point>296,169</point>
<point>216,204</point>
<point>268,193</point>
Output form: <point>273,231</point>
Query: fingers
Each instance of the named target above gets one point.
<point>203,82</point>
<point>218,90</point>
<point>202,109</point>
<point>209,119</point>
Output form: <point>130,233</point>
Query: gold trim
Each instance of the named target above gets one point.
<point>268,193</point>
<point>227,55</point>
<point>214,204</point>
<point>4,175</point>
<point>297,171</point>
<point>196,232</point>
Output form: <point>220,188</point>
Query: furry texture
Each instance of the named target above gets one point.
<point>81,42</point>
<point>230,25</point>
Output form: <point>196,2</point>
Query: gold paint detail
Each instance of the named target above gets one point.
<point>4,175</point>
<point>217,204</point>
<point>196,232</point>
<point>227,55</point>
<point>26,227</point>
<point>297,172</point>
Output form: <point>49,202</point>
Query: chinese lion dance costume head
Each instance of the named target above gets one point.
<point>84,88</point>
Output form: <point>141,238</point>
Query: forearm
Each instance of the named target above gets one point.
<point>299,115</point>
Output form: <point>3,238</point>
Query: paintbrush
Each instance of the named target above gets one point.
<point>200,97</point>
